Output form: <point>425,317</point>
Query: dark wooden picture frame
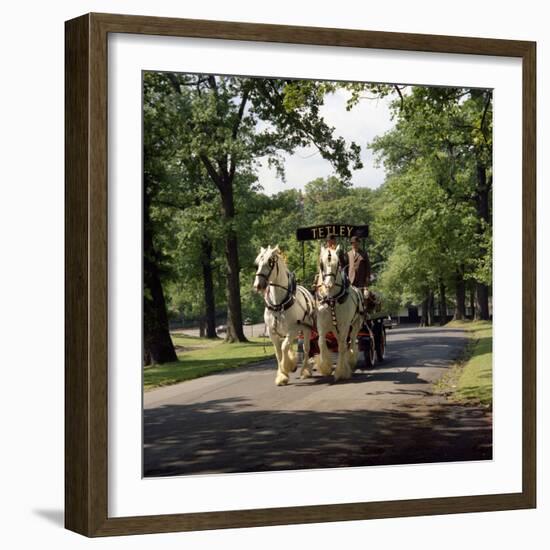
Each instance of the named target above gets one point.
<point>86,282</point>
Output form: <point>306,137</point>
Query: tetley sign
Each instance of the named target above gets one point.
<point>323,231</point>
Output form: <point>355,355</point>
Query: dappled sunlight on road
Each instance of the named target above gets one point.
<point>239,421</point>
<point>189,439</point>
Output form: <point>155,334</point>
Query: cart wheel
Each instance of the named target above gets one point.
<point>370,357</point>
<point>380,344</point>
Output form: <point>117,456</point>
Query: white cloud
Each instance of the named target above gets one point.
<point>368,119</point>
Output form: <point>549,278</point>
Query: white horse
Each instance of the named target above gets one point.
<point>340,311</point>
<point>289,309</point>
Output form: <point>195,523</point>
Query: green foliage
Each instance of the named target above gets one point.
<point>430,209</point>
<point>203,136</point>
<point>426,222</point>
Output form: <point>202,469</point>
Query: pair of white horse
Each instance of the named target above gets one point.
<point>290,309</point>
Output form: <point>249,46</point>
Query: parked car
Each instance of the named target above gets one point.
<point>221,328</point>
<point>389,322</point>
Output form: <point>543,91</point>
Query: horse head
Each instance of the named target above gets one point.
<point>329,264</point>
<point>266,261</point>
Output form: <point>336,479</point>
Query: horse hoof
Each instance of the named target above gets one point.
<point>341,376</point>
<point>326,371</point>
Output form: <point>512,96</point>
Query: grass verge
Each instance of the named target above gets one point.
<point>199,357</point>
<point>471,379</point>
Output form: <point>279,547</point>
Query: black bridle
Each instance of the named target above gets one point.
<point>330,273</point>
<point>342,294</point>
<point>272,262</point>
<point>288,300</point>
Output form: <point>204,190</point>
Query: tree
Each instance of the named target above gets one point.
<point>226,124</point>
<point>447,132</point>
<point>199,235</point>
<point>157,147</point>
<point>158,346</point>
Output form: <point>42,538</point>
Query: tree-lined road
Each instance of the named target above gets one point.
<point>238,420</point>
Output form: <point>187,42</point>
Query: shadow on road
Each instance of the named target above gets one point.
<point>230,435</point>
<point>398,421</point>
<point>362,376</point>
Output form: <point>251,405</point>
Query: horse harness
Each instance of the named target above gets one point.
<point>290,297</point>
<point>342,294</point>
<point>340,297</point>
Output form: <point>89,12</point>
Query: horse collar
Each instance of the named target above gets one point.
<point>342,294</point>
<point>288,300</point>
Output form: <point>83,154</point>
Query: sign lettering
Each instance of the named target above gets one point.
<point>323,231</point>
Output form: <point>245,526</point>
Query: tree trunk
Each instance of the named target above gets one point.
<point>442,304</point>
<point>424,318</point>
<point>208,282</point>
<point>482,192</point>
<point>482,291</point>
<point>233,291</point>
<point>482,302</point>
<point>460,289</point>
<point>431,308</point>
<point>472,300</point>
<point>158,346</point>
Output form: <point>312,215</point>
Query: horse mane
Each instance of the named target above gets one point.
<point>283,257</point>
<point>278,252</point>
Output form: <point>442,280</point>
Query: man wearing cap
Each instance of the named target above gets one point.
<point>359,265</point>
<point>331,243</point>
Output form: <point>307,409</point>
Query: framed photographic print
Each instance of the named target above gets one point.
<point>300,275</point>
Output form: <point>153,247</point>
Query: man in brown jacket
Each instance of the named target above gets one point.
<point>359,265</point>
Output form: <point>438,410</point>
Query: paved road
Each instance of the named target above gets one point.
<point>239,421</point>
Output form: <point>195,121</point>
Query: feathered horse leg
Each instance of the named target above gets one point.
<point>288,362</point>
<point>343,370</point>
<point>282,378</point>
<point>355,328</point>
<point>353,350</point>
<point>306,368</point>
<point>325,356</point>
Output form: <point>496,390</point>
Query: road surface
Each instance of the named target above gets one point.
<point>239,421</point>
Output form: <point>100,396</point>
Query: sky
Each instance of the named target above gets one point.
<point>368,119</point>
